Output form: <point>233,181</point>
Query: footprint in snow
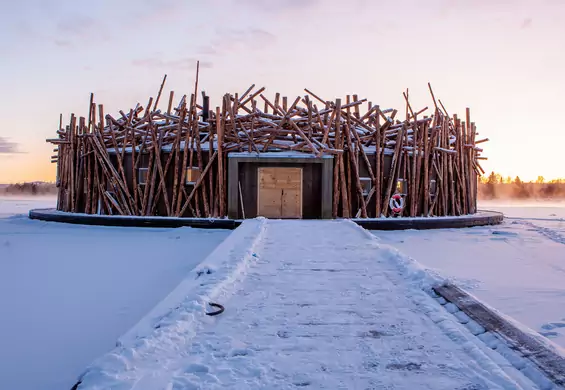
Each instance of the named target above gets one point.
<point>374,334</point>
<point>196,368</point>
<point>240,352</point>
<point>473,387</point>
<point>553,325</point>
<point>301,380</point>
<point>549,335</point>
<point>404,366</point>
<point>504,233</point>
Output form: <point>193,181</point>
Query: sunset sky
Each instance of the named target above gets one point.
<point>505,59</point>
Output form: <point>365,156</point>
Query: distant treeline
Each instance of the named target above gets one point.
<point>36,188</point>
<point>494,186</point>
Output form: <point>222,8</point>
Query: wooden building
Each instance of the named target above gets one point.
<point>251,156</point>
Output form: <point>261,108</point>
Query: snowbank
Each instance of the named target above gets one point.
<point>170,325</point>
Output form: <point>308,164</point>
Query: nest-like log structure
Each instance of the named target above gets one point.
<point>436,156</point>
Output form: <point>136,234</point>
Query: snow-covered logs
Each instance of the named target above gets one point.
<point>138,162</point>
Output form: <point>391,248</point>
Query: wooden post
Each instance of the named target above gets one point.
<point>220,133</point>
<point>393,168</point>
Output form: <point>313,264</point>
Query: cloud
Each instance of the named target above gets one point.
<point>230,40</point>
<point>277,5</point>
<point>80,25</point>
<point>207,51</point>
<point>261,37</point>
<point>7,147</point>
<point>187,63</point>
<point>62,42</point>
<point>449,6</point>
<point>151,12</point>
<point>79,29</point>
<point>526,23</point>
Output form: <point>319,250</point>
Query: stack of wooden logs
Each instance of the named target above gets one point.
<point>93,178</point>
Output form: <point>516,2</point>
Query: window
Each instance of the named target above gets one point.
<point>192,175</point>
<point>401,186</point>
<point>142,175</point>
<point>367,184</point>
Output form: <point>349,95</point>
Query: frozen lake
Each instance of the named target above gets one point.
<point>517,267</point>
<point>67,292</point>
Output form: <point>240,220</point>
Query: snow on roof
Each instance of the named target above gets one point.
<point>282,154</point>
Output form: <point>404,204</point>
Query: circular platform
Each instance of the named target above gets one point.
<point>481,218</point>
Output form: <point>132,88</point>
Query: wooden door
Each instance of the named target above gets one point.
<point>279,192</point>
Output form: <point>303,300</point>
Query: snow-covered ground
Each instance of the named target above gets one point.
<point>315,304</point>
<point>517,267</point>
<point>299,307</point>
<point>68,292</point>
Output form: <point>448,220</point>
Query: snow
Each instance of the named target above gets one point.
<point>322,304</point>
<point>11,205</point>
<point>68,292</point>
<point>283,154</point>
<point>308,303</point>
<point>516,267</point>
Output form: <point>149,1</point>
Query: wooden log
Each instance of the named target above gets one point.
<point>200,166</point>
<point>152,179</point>
<point>212,187</point>
<point>413,178</point>
<point>198,183</point>
<point>315,96</point>
<point>114,202</point>
<point>336,186</point>
<point>347,156</point>
<point>135,189</point>
<point>250,98</point>
<point>176,150</point>
<point>220,135</point>
<point>71,165</point>
<point>170,105</point>
<point>461,164</point>
<point>183,165</point>
<point>82,170</point>
<point>444,168</point>
<point>96,181</point>
<point>393,172</point>
<point>378,166</point>
<point>355,168</point>
<point>160,91</point>
<point>118,155</point>
<point>246,92</point>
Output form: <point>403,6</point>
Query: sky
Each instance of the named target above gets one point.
<point>504,59</point>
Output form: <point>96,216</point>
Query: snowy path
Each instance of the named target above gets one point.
<point>322,306</point>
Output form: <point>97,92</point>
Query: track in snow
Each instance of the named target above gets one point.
<point>551,234</point>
